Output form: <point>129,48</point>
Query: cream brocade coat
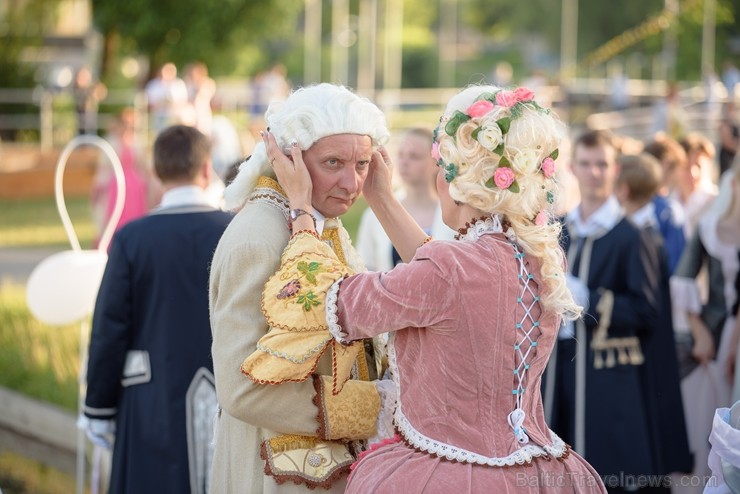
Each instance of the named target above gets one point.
<point>247,255</point>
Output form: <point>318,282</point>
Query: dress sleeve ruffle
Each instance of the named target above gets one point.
<point>293,303</point>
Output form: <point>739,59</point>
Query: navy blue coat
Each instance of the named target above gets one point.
<point>154,299</point>
<point>617,438</point>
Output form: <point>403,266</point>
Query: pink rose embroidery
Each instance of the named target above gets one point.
<point>540,219</point>
<point>435,151</point>
<point>479,108</point>
<point>548,167</point>
<point>523,94</point>
<point>506,98</point>
<point>503,178</point>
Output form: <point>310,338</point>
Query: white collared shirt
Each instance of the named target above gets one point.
<point>320,221</point>
<point>645,216</point>
<point>186,195</point>
<point>604,218</point>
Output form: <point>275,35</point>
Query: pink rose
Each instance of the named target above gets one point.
<point>479,108</point>
<point>435,151</point>
<point>523,94</point>
<point>503,178</point>
<point>548,167</point>
<point>506,98</point>
<point>540,219</point>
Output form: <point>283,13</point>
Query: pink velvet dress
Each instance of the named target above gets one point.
<point>469,344</point>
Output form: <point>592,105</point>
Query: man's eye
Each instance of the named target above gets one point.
<point>332,162</point>
<point>363,164</point>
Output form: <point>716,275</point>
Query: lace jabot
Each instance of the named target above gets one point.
<point>484,226</point>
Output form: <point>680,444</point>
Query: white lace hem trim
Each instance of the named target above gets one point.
<point>332,320</point>
<point>450,452</point>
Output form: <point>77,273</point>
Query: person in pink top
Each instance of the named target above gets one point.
<point>142,188</point>
<point>472,321</point>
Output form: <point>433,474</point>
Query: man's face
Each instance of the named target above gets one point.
<point>595,169</point>
<point>338,166</point>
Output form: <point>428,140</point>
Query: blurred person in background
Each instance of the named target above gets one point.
<point>167,96</point>
<point>709,328</point>
<point>595,388</point>
<point>150,386</point>
<point>637,183</point>
<point>416,165</point>
<point>671,217</point>
<point>729,136</point>
<point>87,93</point>
<point>669,115</point>
<point>201,90</point>
<point>693,187</point>
<point>142,188</point>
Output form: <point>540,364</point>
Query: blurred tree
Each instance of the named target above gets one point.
<point>599,22</point>
<point>22,25</point>
<point>184,30</point>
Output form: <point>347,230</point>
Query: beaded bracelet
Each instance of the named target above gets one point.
<point>310,232</point>
<point>426,241</point>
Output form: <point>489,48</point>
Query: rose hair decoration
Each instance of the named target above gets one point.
<point>491,134</point>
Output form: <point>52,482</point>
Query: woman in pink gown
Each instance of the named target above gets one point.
<point>472,321</point>
<point>137,177</point>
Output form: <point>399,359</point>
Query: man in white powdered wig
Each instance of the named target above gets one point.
<point>280,427</point>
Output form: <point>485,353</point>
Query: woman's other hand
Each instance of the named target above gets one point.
<point>378,185</point>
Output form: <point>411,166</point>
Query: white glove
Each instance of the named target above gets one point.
<point>100,432</point>
<point>388,399</point>
<point>578,289</point>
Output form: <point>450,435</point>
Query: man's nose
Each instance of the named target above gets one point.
<point>349,180</point>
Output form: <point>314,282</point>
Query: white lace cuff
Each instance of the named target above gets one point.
<point>332,320</point>
<point>388,398</point>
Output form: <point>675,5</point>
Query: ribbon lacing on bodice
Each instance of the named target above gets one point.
<point>525,342</point>
<point>525,345</point>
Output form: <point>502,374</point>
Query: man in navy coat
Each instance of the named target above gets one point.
<point>150,374</point>
<point>596,392</point>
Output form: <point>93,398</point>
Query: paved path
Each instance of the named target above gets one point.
<point>16,263</point>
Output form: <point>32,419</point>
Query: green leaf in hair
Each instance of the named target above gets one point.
<point>458,118</point>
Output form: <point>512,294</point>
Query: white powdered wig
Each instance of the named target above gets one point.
<point>308,114</point>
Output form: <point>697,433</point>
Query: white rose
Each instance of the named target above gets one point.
<point>525,161</point>
<point>490,136</point>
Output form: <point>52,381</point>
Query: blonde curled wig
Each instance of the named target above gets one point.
<point>498,147</point>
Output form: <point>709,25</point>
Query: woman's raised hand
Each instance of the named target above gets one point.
<point>378,184</point>
<point>291,172</point>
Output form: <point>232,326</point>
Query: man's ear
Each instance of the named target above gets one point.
<point>208,171</point>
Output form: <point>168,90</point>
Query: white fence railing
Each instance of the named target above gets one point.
<point>51,115</point>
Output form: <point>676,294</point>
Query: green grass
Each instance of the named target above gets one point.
<point>36,223</point>
<point>35,359</point>
<point>20,475</point>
